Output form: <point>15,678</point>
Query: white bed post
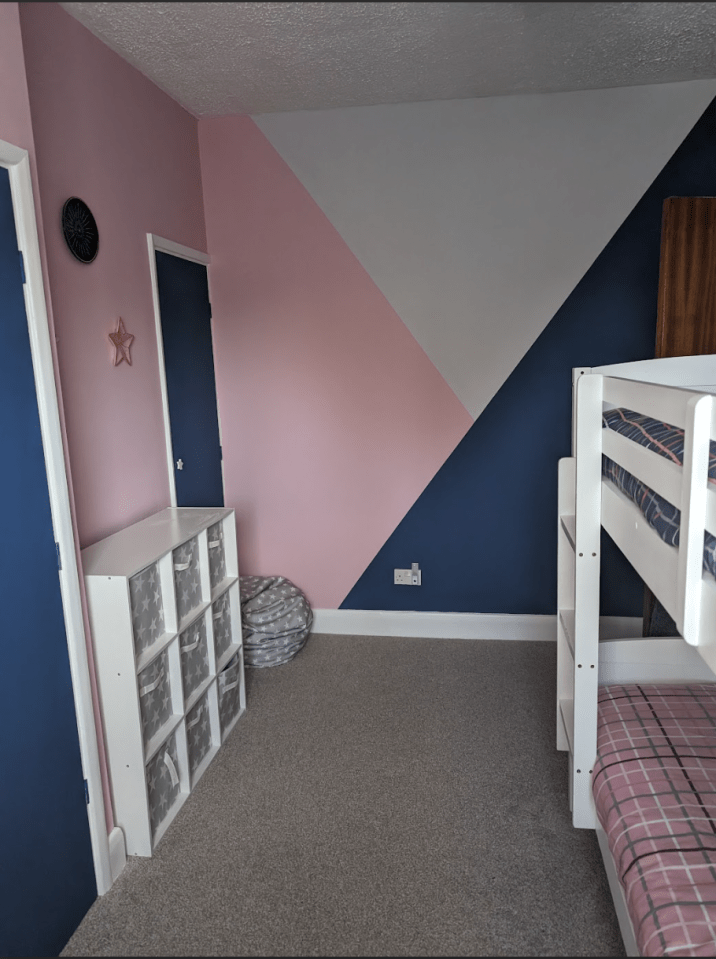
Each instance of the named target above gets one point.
<point>586,587</point>
<point>693,517</point>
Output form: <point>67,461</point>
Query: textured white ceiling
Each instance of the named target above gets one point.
<point>252,58</point>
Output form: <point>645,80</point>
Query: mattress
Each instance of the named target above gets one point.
<point>668,441</point>
<point>654,786</point>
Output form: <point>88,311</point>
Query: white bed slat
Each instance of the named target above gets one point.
<point>619,514</point>
<point>654,470</point>
<point>652,558</point>
<point>683,371</point>
<point>665,403</point>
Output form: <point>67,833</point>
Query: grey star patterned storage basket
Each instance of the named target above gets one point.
<point>163,782</point>
<point>194,651</point>
<point>221,617</point>
<point>155,699</point>
<point>230,691</point>
<point>276,620</point>
<point>145,592</point>
<point>187,578</point>
<point>217,562</point>
<point>200,732</point>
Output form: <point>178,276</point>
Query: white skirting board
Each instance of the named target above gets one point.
<point>370,622</point>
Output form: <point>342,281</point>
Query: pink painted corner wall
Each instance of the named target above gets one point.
<point>15,122</point>
<point>333,417</point>
<point>105,133</point>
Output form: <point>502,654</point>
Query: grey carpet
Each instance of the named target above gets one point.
<point>380,797</point>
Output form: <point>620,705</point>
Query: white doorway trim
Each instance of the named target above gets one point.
<point>177,249</point>
<point>17,162</point>
<point>155,243</point>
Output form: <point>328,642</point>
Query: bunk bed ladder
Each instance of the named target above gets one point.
<point>579,527</point>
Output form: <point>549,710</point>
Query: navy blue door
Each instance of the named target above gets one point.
<point>191,386</point>
<point>47,880</point>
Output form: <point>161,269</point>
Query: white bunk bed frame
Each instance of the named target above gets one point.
<point>676,390</point>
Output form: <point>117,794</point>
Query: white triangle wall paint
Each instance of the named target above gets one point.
<point>477,218</point>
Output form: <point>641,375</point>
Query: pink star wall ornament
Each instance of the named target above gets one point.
<point>121,341</point>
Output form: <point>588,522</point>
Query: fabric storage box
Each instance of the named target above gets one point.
<point>163,782</point>
<point>230,692</point>
<point>187,578</point>
<point>198,733</point>
<point>145,593</point>
<point>155,696</point>
<point>221,619</point>
<point>217,555</point>
<point>194,652</point>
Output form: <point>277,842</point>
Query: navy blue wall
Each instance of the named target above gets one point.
<point>47,879</point>
<point>485,528</point>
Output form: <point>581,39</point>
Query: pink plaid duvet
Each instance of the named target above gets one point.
<point>654,786</point>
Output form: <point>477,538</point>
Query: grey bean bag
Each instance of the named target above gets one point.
<point>276,620</point>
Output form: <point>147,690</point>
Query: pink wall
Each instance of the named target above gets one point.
<point>15,123</point>
<point>333,417</point>
<point>105,133</point>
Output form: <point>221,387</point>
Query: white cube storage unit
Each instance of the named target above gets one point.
<point>165,616</point>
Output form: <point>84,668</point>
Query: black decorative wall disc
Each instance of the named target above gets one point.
<point>80,230</point>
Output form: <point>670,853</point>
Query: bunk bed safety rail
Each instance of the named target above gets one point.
<point>679,582</point>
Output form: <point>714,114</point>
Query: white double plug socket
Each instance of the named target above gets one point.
<point>408,577</point>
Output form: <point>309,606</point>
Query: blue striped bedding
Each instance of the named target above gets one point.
<point>668,441</point>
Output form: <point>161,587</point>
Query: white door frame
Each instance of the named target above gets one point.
<point>17,162</point>
<point>155,243</point>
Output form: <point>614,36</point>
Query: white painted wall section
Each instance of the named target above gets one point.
<point>477,218</point>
